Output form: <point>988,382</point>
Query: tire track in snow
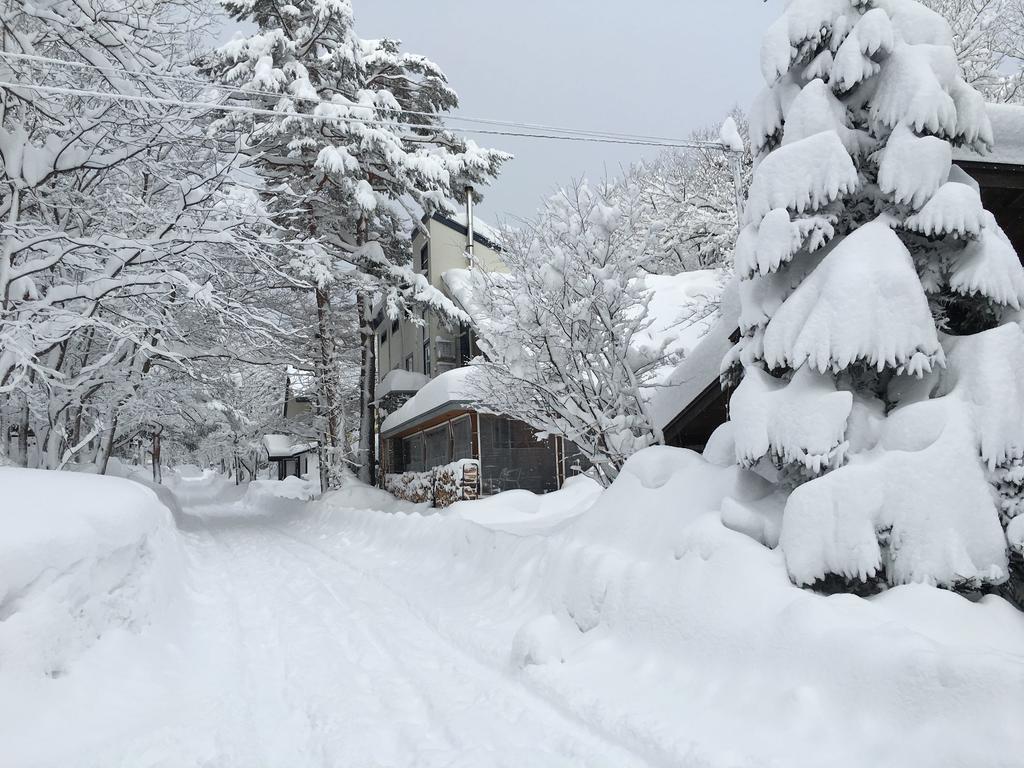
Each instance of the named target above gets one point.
<point>430,703</point>
<point>610,749</point>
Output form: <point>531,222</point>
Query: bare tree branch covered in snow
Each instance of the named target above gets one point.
<point>989,44</point>
<point>562,335</point>
<point>120,226</point>
<point>687,198</point>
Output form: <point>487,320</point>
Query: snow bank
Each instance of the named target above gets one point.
<point>81,557</point>
<point>289,488</point>
<point>522,512</point>
<point>647,618</point>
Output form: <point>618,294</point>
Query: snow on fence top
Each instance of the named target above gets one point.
<point>285,447</point>
<point>450,387</point>
<point>1007,131</point>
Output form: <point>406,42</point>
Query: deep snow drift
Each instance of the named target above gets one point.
<point>615,628</point>
<point>81,557</point>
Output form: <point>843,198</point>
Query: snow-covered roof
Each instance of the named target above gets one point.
<point>701,366</point>
<point>480,227</point>
<point>680,311</point>
<point>1008,132</point>
<point>300,382</point>
<point>452,387</point>
<point>285,447</point>
<point>400,380</point>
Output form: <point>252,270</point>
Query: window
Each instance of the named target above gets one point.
<point>445,350</point>
<point>467,345</point>
<point>394,327</point>
<point>425,257</point>
<point>436,445</point>
<point>462,438</point>
<point>384,337</point>
<point>408,362</point>
<point>512,457</point>
<point>426,356</point>
<point>412,448</point>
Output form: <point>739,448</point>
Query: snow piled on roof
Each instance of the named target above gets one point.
<point>480,227</point>
<point>702,365</point>
<point>285,446</point>
<point>454,386</point>
<point>1008,132</point>
<point>300,382</point>
<point>400,380</point>
<point>680,311</point>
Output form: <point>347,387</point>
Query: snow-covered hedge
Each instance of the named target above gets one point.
<point>441,486</point>
<point>81,556</point>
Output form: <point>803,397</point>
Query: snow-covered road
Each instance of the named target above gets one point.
<point>270,632</point>
<point>320,663</point>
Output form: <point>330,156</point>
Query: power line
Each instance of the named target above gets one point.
<point>366,121</point>
<point>570,133</point>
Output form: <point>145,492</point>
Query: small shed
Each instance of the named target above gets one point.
<point>291,456</point>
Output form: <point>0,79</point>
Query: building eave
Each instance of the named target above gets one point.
<point>421,418</point>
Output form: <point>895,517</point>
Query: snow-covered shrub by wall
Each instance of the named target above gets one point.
<point>881,366</point>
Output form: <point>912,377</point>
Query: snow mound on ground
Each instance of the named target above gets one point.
<point>647,618</point>
<point>357,495</point>
<point>81,556</point>
<point>523,512</point>
<point>289,488</point>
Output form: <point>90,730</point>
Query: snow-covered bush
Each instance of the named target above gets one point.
<point>878,379</point>
<point>563,333</point>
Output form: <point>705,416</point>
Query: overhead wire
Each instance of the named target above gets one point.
<point>551,132</point>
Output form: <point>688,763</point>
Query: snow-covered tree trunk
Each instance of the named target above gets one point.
<point>154,451</point>
<point>327,388</point>
<point>878,299</point>
<point>367,390</point>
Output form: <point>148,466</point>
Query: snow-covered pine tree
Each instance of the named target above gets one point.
<point>367,153</point>
<point>882,370</point>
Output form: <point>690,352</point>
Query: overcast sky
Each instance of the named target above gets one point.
<point>655,67</point>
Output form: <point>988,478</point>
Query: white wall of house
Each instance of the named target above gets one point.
<point>405,348</point>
